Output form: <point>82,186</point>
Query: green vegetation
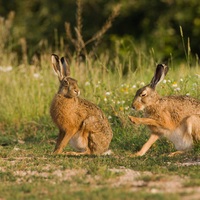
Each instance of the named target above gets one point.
<point>153,24</point>
<point>28,170</point>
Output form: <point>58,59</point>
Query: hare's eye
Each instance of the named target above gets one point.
<point>143,94</point>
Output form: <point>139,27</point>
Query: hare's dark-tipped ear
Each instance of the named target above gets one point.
<point>57,66</point>
<point>66,68</point>
<point>160,73</point>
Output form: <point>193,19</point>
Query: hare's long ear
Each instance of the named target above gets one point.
<point>66,68</point>
<point>160,73</point>
<point>57,66</point>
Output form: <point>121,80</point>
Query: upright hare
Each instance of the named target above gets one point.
<point>80,122</point>
<point>175,117</point>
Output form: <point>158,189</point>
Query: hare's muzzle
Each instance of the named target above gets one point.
<point>134,104</point>
<point>137,105</point>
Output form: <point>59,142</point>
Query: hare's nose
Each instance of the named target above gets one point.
<point>133,106</point>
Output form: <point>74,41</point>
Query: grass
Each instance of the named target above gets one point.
<point>28,170</point>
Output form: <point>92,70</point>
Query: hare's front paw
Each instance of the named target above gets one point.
<point>57,151</point>
<point>134,120</point>
<point>72,153</point>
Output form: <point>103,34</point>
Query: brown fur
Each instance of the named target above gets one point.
<point>80,122</point>
<point>175,117</point>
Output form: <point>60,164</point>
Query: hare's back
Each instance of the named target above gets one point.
<point>184,101</point>
<point>182,104</point>
<point>96,121</point>
<point>90,108</point>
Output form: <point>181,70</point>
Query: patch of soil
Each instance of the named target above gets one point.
<point>149,182</point>
<point>128,179</point>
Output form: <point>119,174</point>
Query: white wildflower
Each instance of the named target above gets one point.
<point>123,102</point>
<point>98,84</point>
<point>36,75</point>
<point>134,86</point>
<point>177,89</point>
<point>126,108</point>
<point>198,75</point>
<point>108,93</point>
<point>142,83</point>
<point>113,101</point>
<point>6,69</point>
<point>87,83</point>
<point>175,85</point>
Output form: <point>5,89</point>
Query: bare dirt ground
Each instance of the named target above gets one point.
<point>155,184</point>
<point>122,177</point>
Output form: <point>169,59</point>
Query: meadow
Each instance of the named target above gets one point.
<point>28,170</point>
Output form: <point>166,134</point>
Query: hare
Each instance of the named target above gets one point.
<point>80,122</point>
<point>175,117</point>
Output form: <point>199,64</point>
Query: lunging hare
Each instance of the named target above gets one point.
<point>80,122</point>
<point>175,117</point>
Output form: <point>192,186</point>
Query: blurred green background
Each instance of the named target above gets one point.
<point>162,26</point>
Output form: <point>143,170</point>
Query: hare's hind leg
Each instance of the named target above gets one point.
<point>183,136</point>
<point>100,136</point>
<point>73,153</point>
<point>195,120</point>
